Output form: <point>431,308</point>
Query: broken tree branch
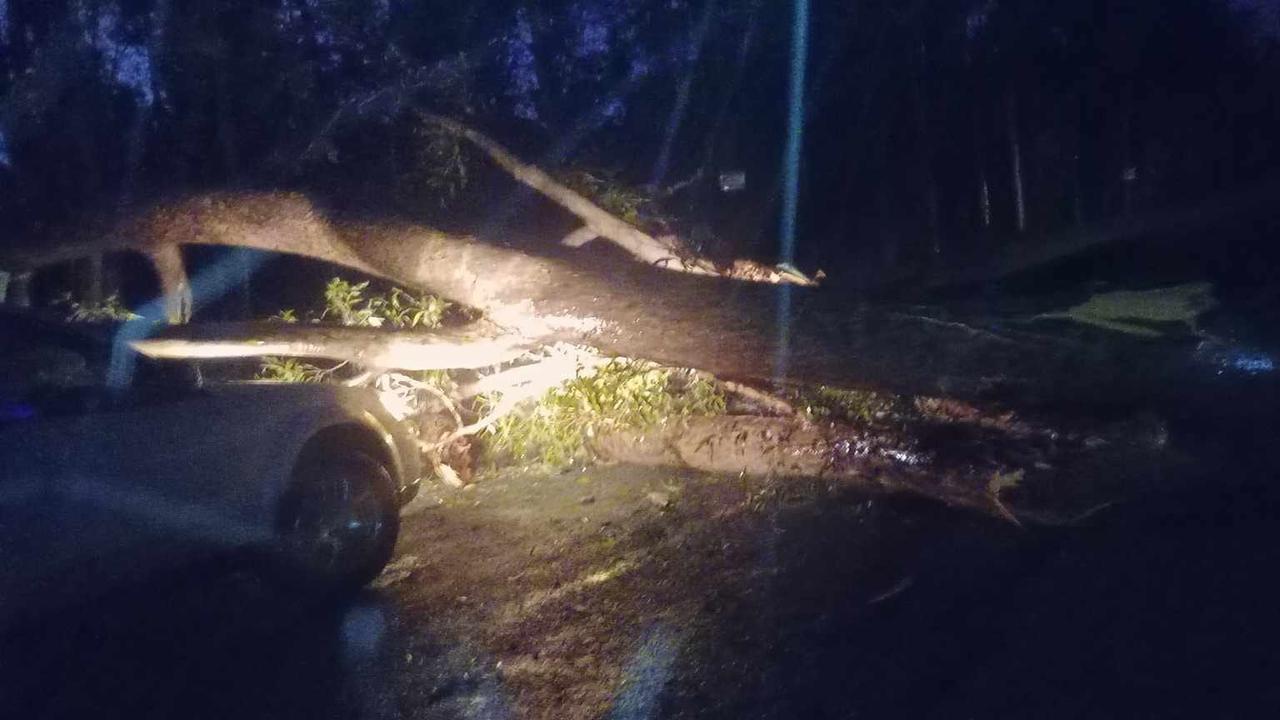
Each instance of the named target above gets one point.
<point>517,386</point>
<point>769,402</point>
<point>598,221</point>
<point>395,381</point>
<point>546,374</point>
<point>470,347</point>
<point>579,237</point>
<point>641,245</point>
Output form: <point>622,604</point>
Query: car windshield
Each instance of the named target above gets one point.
<point>639,358</point>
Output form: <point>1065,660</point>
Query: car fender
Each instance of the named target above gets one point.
<point>306,425</point>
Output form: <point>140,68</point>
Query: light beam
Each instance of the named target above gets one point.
<point>791,163</point>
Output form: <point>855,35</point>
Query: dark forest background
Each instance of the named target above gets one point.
<point>936,131</point>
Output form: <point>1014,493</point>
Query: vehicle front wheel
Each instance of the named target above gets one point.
<point>337,522</point>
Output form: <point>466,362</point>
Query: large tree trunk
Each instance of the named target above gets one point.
<point>468,348</point>
<point>731,329</point>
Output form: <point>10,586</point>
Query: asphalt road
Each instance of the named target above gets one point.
<point>1161,609</point>
<point>212,641</point>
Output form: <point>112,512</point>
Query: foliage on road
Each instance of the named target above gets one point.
<point>619,395</point>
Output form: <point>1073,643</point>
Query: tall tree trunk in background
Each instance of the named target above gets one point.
<point>984,196</point>
<point>138,130</point>
<point>924,129</point>
<point>90,280</point>
<point>684,92</point>
<point>979,149</point>
<point>543,65</point>
<point>711,143</point>
<point>1128,172</point>
<point>1015,151</point>
<point>229,145</point>
<point>1077,202</point>
<point>980,161</point>
<point>225,127</point>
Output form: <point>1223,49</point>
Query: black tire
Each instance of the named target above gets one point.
<point>337,523</point>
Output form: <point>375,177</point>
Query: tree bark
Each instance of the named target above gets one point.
<point>468,348</point>
<point>928,180</point>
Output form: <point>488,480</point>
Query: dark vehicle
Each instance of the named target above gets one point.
<point>99,482</point>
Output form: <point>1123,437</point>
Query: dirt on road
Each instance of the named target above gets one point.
<point>629,590</point>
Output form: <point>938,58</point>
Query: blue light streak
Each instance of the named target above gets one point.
<point>795,130</point>
<point>647,674</point>
<point>791,174</point>
<point>211,284</point>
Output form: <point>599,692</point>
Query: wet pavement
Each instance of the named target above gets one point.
<point>839,606</point>
<point>221,645</point>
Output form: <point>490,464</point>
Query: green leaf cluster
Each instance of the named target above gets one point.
<point>825,402</point>
<point>290,370</point>
<point>347,302</point>
<point>351,304</point>
<point>619,395</point>
<point>608,192</point>
<point>111,309</point>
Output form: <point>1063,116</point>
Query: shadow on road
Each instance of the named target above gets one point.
<point>215,642</point>
<point>1162,609</point>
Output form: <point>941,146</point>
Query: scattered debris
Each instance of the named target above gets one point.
<point>894,591</point>
<point>1144,313</point>
<point>999,482</point>
<point>449,476</point>
<point>399,570</point>
<point>660,500</point>
<point>422,503</point>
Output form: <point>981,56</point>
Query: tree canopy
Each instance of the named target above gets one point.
<point>936,130</point>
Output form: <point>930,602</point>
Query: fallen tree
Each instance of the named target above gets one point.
<point>734,330</point>
<point>774,336</point>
